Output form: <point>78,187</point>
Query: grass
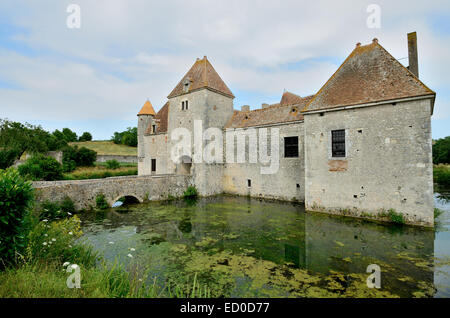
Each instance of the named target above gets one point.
<point>395,217</point>
<point>100,171</point>
<point>107,148</point>
<point>441,175</point>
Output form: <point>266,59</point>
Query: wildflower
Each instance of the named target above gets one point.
<point>65,264</point>
<point>44,220</point>
<point>129,255</point>
<point>45,243</point>
<point>70,233</point>
<point>132,249</point>
<point>70,246</point>
<point>111,242</point>
<point>54,240</point>
<point>140,279</point>
<point>69,213</point>
<point>46,234</point>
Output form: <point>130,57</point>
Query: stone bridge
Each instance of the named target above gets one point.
<point>84,192</point>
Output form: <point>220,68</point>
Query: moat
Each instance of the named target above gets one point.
<point>242,247</point>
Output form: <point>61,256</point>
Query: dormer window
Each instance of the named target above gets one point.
<point>186,84</point>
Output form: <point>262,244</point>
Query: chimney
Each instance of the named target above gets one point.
<point>412,54</point>
<point>245,108</point>
<point>264,105</point>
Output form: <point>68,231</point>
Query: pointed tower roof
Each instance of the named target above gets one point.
<point>147,109</point>
<point>369,74</point>
<point>201,75</point>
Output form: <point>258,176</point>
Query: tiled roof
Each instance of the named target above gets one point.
<point>274,114</point>
<point>201,75</point>
<point>147,109</point>
<point>161,120</point>
<point>289,98</point>
<point>369,74</point>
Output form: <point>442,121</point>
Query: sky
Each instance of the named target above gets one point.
<point>97,77</point>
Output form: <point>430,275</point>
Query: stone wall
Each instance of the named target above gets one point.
<point>156,147</point>
<point>388,163</point>
<point>84,192</point>
<point>288,183</point>
<point>124,159</point>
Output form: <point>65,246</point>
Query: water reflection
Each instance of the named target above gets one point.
<point>278,232</point>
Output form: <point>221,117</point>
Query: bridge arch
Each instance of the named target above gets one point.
<point>128,198</point>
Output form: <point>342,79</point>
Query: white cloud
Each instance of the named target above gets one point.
<point>127,51</point>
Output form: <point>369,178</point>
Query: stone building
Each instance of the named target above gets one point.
<point>360,146</point>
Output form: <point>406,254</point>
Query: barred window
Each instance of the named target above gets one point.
<point>290,147</point>
<point>338,143</point>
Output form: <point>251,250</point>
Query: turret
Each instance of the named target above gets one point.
<point>145,118</point>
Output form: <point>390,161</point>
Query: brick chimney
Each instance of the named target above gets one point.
<point>412,54</point>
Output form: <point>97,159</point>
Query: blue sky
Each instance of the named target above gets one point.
<point>97,77</point>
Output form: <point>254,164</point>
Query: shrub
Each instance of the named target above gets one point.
<point>85,137</point>
<point>395,217</point>
<point>441,175</point>
<point>112,164</point>
<point>441,150</point>
<point>74,157</point>
<point>40,167</point>
<point>86,157</point>
<point>191,192</point>
<point>100,202</point>
<point>7,158</point>
<point>69,158</point>
<point>16,200</point>
<point>67,205</point>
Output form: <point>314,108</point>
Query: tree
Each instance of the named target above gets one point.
<point>69,135</point>
<point>441,151</point>
<point>85,137</point>
<point>127,137</point>
<point>86,157</point>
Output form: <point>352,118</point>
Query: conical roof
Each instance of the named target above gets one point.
<point>147,109</point>
<point>369,74</point>
<point>201,75</point>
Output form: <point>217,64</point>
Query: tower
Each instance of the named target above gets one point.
<point>145,118</point>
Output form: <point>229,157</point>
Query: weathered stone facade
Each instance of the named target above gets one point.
<point>383,109</point>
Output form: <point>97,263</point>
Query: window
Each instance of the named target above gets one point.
<point>186,105</point>
<point>154,128</point>
<point>153,165</point>
<point>290,147</point>
<point>249,183</point>
<point>182,105</point>
<point>338,143</point>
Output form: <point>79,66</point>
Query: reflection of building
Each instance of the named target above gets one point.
<point>360,145</point>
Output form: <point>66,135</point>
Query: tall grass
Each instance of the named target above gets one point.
<point>100,172</point>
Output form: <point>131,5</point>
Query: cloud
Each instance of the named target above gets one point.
<point>127,51</point>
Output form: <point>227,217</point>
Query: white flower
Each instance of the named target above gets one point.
<point>129,255</point>
<point>54,240</point>
<point>140,279</point>
<point>70,233</point>
<point>45,243</point>
<point>132,249</point>
<point>69,213</point>
<point>44,220</point>
<point>45,234</point>
<point>70,246</point>
<point>111,242</point>
<point>65,264</point>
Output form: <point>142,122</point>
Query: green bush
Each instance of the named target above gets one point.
<point>67,205</point>
<point>40,167</point>
<point>85,137</point>
<point>128,137</point>
<point>100,202</point>
<point>191,192</point>
<point>16,200</point>
<point>7,157</point>
<point>395,217</point>
<point>441,175</point>
<point>112,164</point>
<point>86,157</point>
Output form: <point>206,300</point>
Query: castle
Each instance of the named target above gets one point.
<point>360,146</point>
